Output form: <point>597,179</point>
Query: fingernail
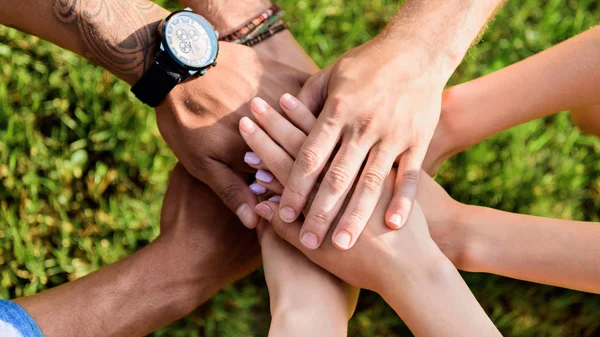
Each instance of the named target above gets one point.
<point>287,214</point>
<point>247,125</point>
<point>258,105</point>
<point>264,211</point>
<point>275,198</point>
<point>289,102</point>
<point>342,239</point>
<point>396,220</point>
<point>258,189</point>
<point>264,176</point>
<point>309,240</point>
<point>251,158</point>
<point>246,216</point>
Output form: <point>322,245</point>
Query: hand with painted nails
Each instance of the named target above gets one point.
<point>301,292</point>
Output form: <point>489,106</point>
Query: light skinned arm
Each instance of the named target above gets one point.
<point>378,102</point>
<point>199,251</point>
<point>550,251</point>
<point>301,292</point>
<point>563,77</point>
<point>556,252</point>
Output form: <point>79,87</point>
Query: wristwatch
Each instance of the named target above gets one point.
<point>189,46</point>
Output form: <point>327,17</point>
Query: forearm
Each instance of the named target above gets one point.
<point>440,31</point>
<point>120,36</point>
<point>132,297</point>
<point>433,300</point>
<point>294,323</point>
<point>561,78</point>
<point>542,250</point>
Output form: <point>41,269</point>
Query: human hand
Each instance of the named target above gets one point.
<point>199,119</point>
<point>276,147</point>
<point>300,291</point>
<point>212,248</point>
<point>381,107</point>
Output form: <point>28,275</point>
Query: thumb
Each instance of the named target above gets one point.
<point>405,189</point>
<point>314,92</point>
<point>234,192</point>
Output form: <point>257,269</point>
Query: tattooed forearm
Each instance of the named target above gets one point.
<point>119,35</point>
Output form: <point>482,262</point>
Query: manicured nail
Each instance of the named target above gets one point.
<point>264,211</point>
<point>258,105</point>
<point>247,125</point>
<point>251,158</point>
<point>396,220</point>
<point>289,102</point>
<point>258,189</point>
<point>342,239</point>
<point>246,216</point>
<point>309,240</point>
<point>275,198</point>
<point>287,214</point>
<point>264,176</point>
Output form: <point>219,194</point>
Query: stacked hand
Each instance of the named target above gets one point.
<point>379,114</point>
<point>199,118</point>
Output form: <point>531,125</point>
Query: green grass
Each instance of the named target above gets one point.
<point>83,170</point>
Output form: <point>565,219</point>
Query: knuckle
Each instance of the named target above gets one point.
<point>281,164</point>
<point>296,145</point>
<point>338,108</point>
<point>373,180</point>
<point>308,160</point>
<point>229,193</point>
<point>410,178</point>
<point>319,217</point>
<point>363,124</point>
<point>337,179</point>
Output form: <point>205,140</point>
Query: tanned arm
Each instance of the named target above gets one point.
<point>120,36</point>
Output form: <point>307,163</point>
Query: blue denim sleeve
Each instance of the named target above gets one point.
<point>16,322</point>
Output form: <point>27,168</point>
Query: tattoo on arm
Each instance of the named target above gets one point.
<point>120,35</point>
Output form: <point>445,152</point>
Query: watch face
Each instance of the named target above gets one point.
<point>190,40</point>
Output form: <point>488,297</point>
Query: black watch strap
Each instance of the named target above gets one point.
<point>157,82</point>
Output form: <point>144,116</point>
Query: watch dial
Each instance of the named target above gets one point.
<point>190,40</point>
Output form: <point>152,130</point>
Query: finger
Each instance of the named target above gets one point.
<point>314,92</point>
<point>287,231</point>
<point>282,131</point>
<point>253,160</point>
<point>234,192</point>
<point>268,181</point>
<point>331,194</point>
<point>298,113</point>
<point>364,198</point>
<point>273,156</point>
<point>405,188</point>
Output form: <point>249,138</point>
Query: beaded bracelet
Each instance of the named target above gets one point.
<point>263,27</point>
<point>272,31</point>
<point>251,26</point>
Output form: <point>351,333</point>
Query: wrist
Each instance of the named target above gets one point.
<point>430,274</point>
<point>227,15</point>
<point>474,248</point>
<point>292,322</point>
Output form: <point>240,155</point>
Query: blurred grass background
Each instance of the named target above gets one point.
<point>83,170</point>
